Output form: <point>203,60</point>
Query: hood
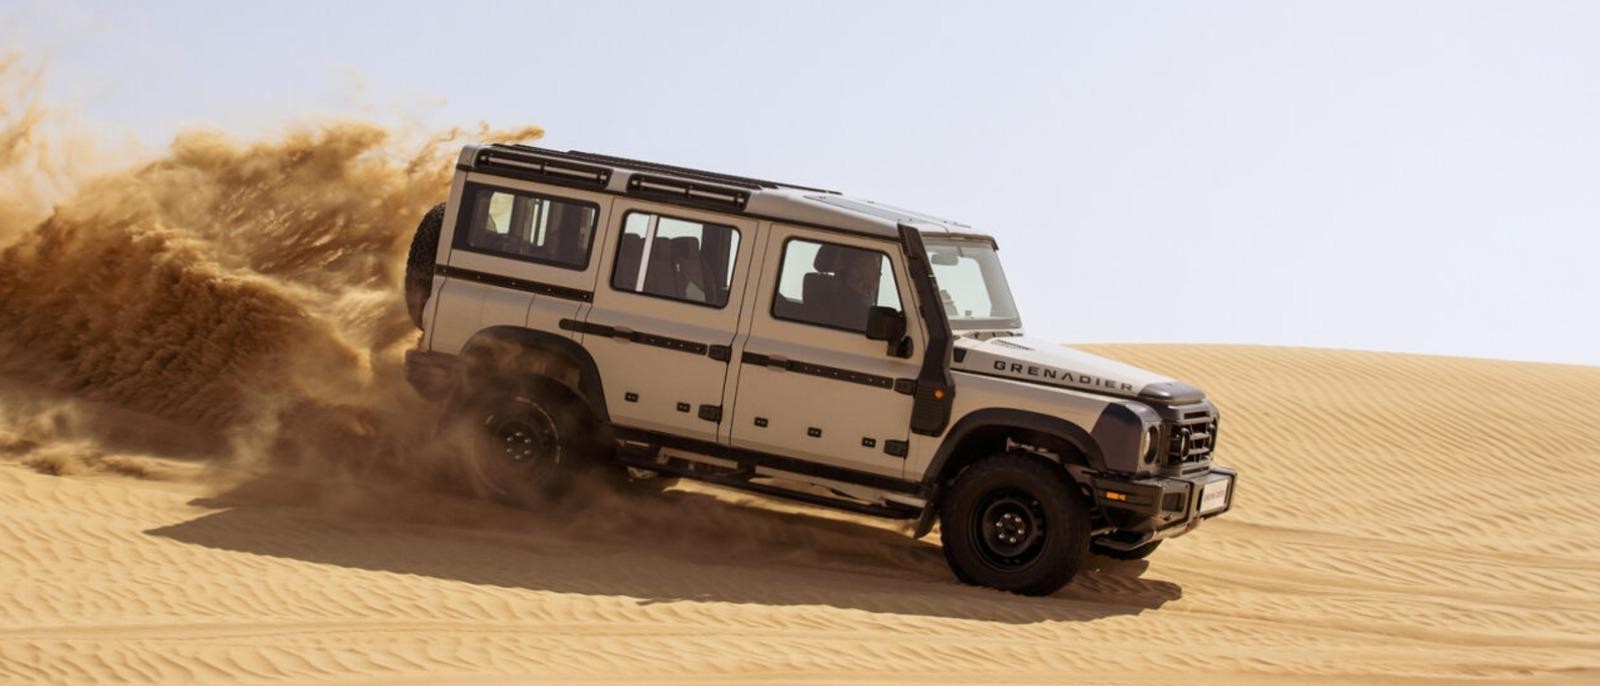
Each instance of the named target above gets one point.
<point>1023,358</point>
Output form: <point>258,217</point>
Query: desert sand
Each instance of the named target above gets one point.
<point>1399,519</point>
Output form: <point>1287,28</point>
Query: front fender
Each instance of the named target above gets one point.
<point>1106,431</point>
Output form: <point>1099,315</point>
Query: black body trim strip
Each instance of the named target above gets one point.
<point>540,288</point>
<point>667,342</point>
<point>757,458</point>
<point>822,370</point>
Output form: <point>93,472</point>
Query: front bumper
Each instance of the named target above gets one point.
<point>1154,508</point>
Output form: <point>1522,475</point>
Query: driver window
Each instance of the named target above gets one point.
<point>833,285</point>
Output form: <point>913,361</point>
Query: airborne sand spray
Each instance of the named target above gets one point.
<point>248,292</point>
<point>242,302</point>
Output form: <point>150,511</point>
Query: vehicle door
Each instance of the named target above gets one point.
<point>811,385</point>
<point>665,313</point>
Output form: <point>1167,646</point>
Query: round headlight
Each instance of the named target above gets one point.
<point>1147,444</point>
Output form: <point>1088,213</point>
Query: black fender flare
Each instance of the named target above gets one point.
<point>563,348</point>
<point>1006,418</point>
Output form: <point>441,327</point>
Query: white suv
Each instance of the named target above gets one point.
<point>592,312</point>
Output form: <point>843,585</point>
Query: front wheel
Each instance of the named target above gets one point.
<point>1015,522</point>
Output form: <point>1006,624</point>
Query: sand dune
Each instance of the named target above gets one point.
<point>1399,519</point>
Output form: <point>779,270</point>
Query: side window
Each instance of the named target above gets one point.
<point>833,285</point>
<point>529,227</point>
<point>675,258</point>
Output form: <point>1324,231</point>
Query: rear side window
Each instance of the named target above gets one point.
<point>525,226</point>
<point>675,258</point>
<point>833,285</point>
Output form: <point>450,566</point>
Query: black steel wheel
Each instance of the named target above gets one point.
<point>1015,522</point>
<point>1010,529</point>
<point>525,434</point>
<point>530,442</point>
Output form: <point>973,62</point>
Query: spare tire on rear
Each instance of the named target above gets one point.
<point>419,263</point>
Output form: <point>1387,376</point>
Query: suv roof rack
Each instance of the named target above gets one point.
<point>667,169</point>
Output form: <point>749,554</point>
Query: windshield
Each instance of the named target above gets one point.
<point>972,284</point>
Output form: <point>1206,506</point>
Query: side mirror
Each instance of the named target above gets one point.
<point>887,324</point>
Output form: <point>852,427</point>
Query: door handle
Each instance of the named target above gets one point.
<point>622,332</point>
<point>778,362</point>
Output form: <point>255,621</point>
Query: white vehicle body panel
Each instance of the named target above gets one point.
<point>465,307</point>
<point>661,380</point>
<point>809,416</point>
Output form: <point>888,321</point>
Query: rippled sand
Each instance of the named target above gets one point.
<point>1399,519</point>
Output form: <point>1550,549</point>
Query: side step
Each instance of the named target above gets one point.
<point>742,481</point>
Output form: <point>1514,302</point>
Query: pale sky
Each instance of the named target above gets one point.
<point>1403,176</point>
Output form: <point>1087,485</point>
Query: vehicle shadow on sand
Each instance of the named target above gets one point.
<point>667,547</point>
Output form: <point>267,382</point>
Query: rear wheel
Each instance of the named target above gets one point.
<point>529,442</point>
<point>1015,522</point>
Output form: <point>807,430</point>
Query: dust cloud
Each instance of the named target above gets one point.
<point>238,305</point>
<point>234,300</point>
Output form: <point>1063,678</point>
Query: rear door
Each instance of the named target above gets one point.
<point>665,313</point>
<point>811,385</point>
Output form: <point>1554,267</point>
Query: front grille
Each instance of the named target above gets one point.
<point>1191,438</point>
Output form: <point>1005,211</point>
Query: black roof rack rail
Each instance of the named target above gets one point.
<point>520,164</point>
<point>684,192</point>
<point>665,169</point>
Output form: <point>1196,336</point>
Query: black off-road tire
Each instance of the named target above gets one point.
<point>420,261</point>
<point>1016,522</point>
<point>1138,553</point>
<point>532,442</point>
